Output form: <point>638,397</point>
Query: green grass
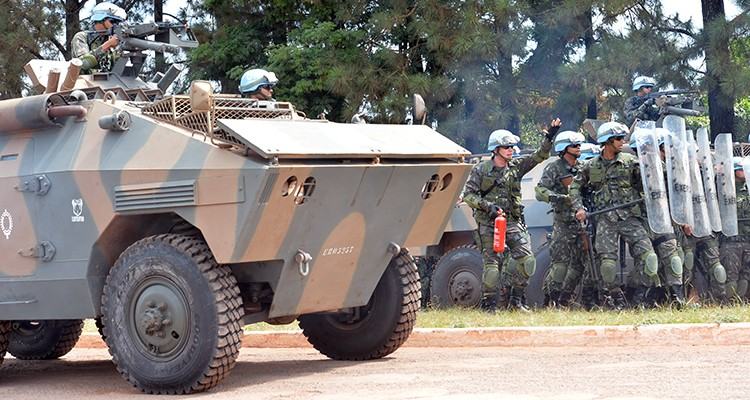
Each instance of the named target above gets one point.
<point>472,318</point>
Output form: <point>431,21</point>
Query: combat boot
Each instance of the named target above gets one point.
<point>515,300</point>
<point>502,297</point>
<point>554,296</point>
<point>677,296</point>
<point>616,300</point>
<point>564,299</point>
<point>488,303</point>
<point>589,298</point>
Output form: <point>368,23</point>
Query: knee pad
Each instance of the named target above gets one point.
<point>490,277</point>
<point>558,272</point>
<point>608,269</point>
<point>650,263</point>
<point>719,273</point>
<point>527,265</point>
<point>675,265</point>
<point>689,260</point>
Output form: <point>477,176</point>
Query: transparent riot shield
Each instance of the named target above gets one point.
<point>655,192</point>
<point>725,184</point>
<point>678,171</point>
<point>701,221</point>
<point>706,163</point>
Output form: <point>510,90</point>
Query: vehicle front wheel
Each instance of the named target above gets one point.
<point>457,278</point>
<point>172,315</point>
<point>376,329</point>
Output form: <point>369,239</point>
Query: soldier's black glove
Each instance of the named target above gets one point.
<point>649,102</point>
<point>551,132</point>
<point>494,211</point>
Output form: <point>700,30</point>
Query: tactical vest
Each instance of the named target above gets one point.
<point>501,186</point>
<point>611,184</point>
<point>562,213</point>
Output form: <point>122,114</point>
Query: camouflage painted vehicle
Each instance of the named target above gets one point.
<point>451,270</point>
<point>175,221</point>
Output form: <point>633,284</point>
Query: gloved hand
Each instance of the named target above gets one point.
<point>649,102</point>
<point>495,211</point>
<point>552,129</point>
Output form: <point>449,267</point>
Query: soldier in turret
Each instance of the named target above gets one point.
<point>566,250</point>
<point>258,84</point>
<point>104,16</point>
<point>735,250</point>
<point>494,187</point>
<point>613,178</point>
<point>641,106</point>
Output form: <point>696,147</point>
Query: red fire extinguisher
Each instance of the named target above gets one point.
<point>501,225</point>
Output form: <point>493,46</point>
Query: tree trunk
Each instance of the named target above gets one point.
<point>716,35</point>
<point>588,43</point>
<point>72,23</point>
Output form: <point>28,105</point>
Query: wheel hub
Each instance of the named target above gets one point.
<point>160,318</point>
<point>464,288</point>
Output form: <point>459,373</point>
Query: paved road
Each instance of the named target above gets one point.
<point>687,372</point>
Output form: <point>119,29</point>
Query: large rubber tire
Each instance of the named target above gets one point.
<point>44,340</point>
<point>380,327</point>
<point>5,329</point>
<point>172,316</point>
<point>457,278</point>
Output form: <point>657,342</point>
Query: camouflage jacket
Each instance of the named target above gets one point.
<point>551,184</point>
<point>489,185</point>
<point>96,59</point>
<point>610,183</point>
<point>635,109</point>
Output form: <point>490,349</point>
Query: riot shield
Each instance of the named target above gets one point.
<point>725,184</point>
<point>706,163</point>
<point>678,171</point>
<point>701,221</point>
<point>655,193</point>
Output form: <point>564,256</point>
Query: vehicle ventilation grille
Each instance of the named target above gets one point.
<point>156,195</point>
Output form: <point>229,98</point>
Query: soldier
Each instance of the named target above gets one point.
<point>640,106</point>
<point>104,16</point>
<point>613,178</point>
<point>494,187</point>
<point>566,250</point>
<point>258,84</point>
<point>735,250</point>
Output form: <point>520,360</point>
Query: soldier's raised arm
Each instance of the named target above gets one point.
<point>542,153</point>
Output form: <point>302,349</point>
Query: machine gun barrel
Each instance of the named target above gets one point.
<point>676,92</point>
<point>133,43</point>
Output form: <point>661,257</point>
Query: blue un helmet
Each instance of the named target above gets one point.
<point>643,81</point>
<point>567,138</point>
<point>610,129</point>
<point>107,10</point>
<point>589,151</point>
<point>501,137</point>
<point>253,79</point>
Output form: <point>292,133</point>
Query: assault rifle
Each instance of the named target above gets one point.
<point>678,102</point>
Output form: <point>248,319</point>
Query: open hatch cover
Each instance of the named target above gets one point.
<point>321,139</point>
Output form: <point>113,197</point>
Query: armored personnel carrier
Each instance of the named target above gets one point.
<point>176,220</point>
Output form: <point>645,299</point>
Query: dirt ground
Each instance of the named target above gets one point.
<point>668,372</point>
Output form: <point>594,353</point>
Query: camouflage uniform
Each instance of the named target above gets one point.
<point>614,182</point>
<point>735,250</point>
<point>636,109</point>
<point>489,185</point>
<point>92,59</point>
<point>566,250</point>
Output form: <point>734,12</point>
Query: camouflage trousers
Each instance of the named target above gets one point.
<point>703,254</point>
<point>735,257</point>
<point>606,245</point>
<point>519,268</point>
<point>667,249</point>
<point>569,259</point>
